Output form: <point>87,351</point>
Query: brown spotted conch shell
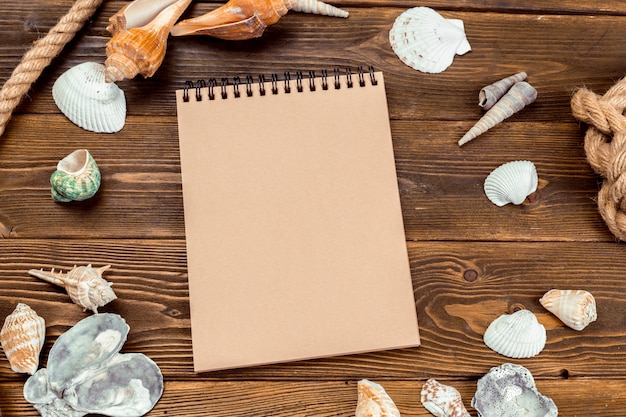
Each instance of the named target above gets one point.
<point>84,284</point>
<point>520,95</point>
<point>373,401</point>
<point>490,94</point>
<point>139,37</point>
<point>575,308</point>
<point>442,400</point>
<point>22,337</point>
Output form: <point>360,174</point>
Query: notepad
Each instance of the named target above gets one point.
<point>295,240</point>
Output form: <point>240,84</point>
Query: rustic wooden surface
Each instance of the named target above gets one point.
<point>471,261</point>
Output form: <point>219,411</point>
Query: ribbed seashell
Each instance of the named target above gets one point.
<point>318,7</point>
<point>141,49</point>
<point>490,94</point>
<point>520,95</point>
<point>442,400</point>
<point>517,335</point>
<point>512,182</point>
<point>426,41</point>
<point>76,178</point>
<point>373,401</point>
<point>236,20</point>
<point>84,97</point>
<point>22,337</point>
<point>575,308</point>
<point>84,284</point>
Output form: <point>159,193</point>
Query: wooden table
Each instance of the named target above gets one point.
<point>471,261</point>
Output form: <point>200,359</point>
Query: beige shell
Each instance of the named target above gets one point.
<point>575,308</point>
<point>489,95</point>
<point>84,284</point>
<point>442,400</point>
<point>517,335</point>
<point>512,182</point>
<point>318,7</point>
<point>520,95</point>
<point>22,337</point>
<point>140,30</point>
<point>373,401</point>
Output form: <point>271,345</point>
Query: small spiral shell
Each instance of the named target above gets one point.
<point>77,177</point>
<point>22,337</point>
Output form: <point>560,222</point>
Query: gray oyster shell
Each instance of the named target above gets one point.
<point>87,374</point>
<point>509,390</point>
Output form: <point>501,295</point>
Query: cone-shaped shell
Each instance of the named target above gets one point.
<point>442,400</point>
<point>520,95</point>
<point>76,178</point>
<point>373,401</point>
<point>235,20</point>
<point>489,95</point>
<point>511,183</point>
<point>140,50</point>
<point>318,7</point>
<point>22,338</point>
<point>575,308</point>
<point>517,335</point>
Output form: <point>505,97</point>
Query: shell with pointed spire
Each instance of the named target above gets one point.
<point>373,401</point>
<point>490,94</point>
<point>318,7</point>
<point>442,400</point>
<point>575,308</point>
<point>84,284</point>
<point>76,178</point>
<point>22,338</point>
<point>140,30</point>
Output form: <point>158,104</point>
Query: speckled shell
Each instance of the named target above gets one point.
<point>84,97</point>
<point>575,308</point>
<point>22,337</point>
<point>76,178</point>
<point>442,400</point>
<point>490,94</point>
<point>512,182</point>
<point>517,335</point>
<point>318,7</point>
<point>426,41</point>
<point>373,401</point>
<point>84,284</point>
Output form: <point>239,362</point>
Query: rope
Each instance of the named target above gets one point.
<point>39,56</point>
<point>605,146</point>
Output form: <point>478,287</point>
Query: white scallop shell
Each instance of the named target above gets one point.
<point>511,183</point>
<point>426,41</point>
<point>84,97</point>
<point>575,308</point>
<point>517,335</point>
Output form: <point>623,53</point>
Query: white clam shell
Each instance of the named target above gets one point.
<point>517,335</point>
<point>575,308</point>
<point>511,183</point>
<point>426,41</point>
<point>84,97</point>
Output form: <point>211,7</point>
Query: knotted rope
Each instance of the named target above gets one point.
<point>39,56</point>
<point>605,146</point>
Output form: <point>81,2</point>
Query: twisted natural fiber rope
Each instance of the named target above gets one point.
<point>605,146</point>
<point>39,56</point>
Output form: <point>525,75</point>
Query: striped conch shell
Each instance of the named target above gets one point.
<point>84,284</point>
<point>575,308</point>
<point>442,400</point>
<point>489,95</point>
<point>520,95</point>
<point>76,178</point>
<point>139,37</point>
<point>373,401</point>
<point>22,337</point>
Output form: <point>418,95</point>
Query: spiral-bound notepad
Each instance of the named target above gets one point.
<point>295,240</point>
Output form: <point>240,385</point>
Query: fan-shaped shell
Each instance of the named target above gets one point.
<point>511,183</point>
<point>373,401</point>
<point>84,97</point>
<point>517,335</point>
<point>426,41</point>
<point>575,308</point>
<point>22,338</point>
<point>442,400</point>
<point>76,178</point>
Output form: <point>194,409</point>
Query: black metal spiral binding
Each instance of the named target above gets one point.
<point>212,83</point>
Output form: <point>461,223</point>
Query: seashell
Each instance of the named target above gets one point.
<point>22,337</point>
<point>236,20</point>
<point>517,335</point>
<point>318,7</point>
<point>520,95</point>
<point>575,308</point>
<point>442,400</point>
<point>86,374</point>
<point>84,284</point>
<point>509,390</point>
<point>141,49</point>
<point>76,178</point>
<point>84,97</point>
<point>426,41</point>
<point>489,95</point>
<point>373,401</point>
<point>511,183</point>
